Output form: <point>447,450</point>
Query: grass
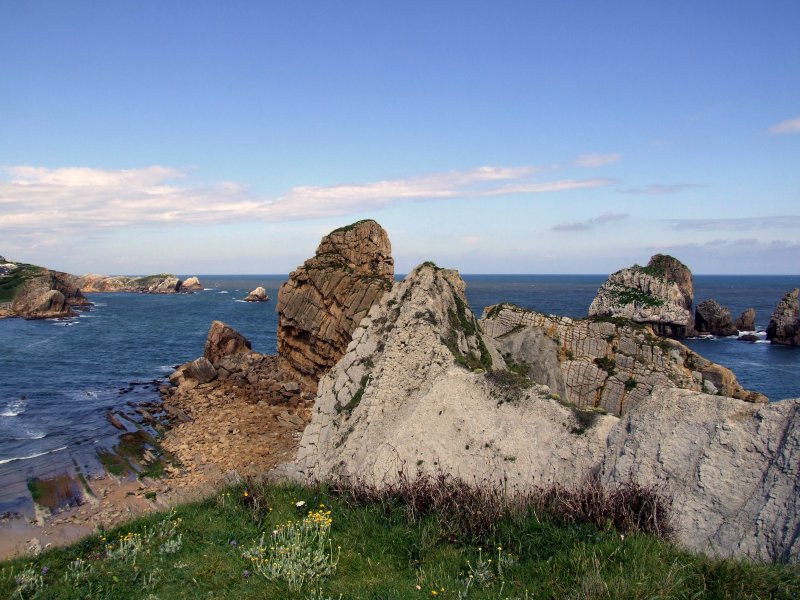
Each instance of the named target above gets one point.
<point>434,537</point>
<point>627,295</point>
<point>11,283</point>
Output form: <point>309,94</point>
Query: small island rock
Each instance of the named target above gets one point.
<point>747,321</point>
<point>711,317</point>
<point>191,284</point>
<point>257,295</point>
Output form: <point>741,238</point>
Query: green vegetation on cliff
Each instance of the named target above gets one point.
<point>435,537</point>
<point>11,283</point>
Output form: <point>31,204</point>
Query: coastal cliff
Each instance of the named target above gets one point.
<point>425,388</point>
<point>784,325</point>
<point>33,292</point>
<point>164,283</point>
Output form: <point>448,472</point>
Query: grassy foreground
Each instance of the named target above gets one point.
<point>321,543</point>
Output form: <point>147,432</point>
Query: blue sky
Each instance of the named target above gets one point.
<point>513,137</point>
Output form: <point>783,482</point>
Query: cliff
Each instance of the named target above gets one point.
<point>659,294</point>
<point>151,284</point>
<point>784,325</point>
<point>33,292</point>
<point>424,387</point>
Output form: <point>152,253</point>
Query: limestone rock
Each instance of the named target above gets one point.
<point>150,284</point>
<point>747,320</point>
<point>257,295</point>
<point>224,341</point>
<point>660,294</point>
<point>412,394</point>
<point>731,468</point>
<point>191,284</point>
<point>325,299</point>
<point>603,362</point>
<point>711,317</point>
<point>784,325</point>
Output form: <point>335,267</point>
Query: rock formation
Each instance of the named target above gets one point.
<point>603,362</point>
<point>150,284</point>
<point>659,294</point>
<point>711,317</point>
<point>325,299</point>
<point>747,320</point>
<point>421,389</point>
<point>784,325</point>
<point>731,468</point>
<point>257,295</point>
<point>191,284</point>
<point>39,293</point>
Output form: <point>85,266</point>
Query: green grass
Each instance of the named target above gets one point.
<point>385,548</point>
<point>11,283</point>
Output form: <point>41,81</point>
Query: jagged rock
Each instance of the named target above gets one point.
<point>257,295</point>
<point>201,370</point>
<point>784,325</point>
<point>711,317</point>
<point>660,294</point>
<point>191,284</point>
<point>748,337</point>
<point>224,341</point>
<point>401,401</point>
<point>747,320</point>
<point>325,299</point>
<point>412,393</point>
<point>602,362</point>
<point>731,468</point>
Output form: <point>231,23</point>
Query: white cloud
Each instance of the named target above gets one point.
<point>606,217</point>
<point>79,199</point>
<point>784,127</point>
<point>737,223</point>
<point>591,161</point>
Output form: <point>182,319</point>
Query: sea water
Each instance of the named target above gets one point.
<point>58,378</point>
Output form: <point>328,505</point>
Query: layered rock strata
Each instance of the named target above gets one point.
<point>784,325</point>
<point>324,300</point>
<point>422,389</point>
<point>45,294</point>
<point>601,362</point>
<point>659,294</point>
<point>711,317</point>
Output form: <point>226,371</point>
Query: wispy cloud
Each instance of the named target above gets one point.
<point>736,224</point>
<point>606,217</point>
<point>591,161</point>
<point>84,199</point>
<point>659,189</point>
<point>784,127</point>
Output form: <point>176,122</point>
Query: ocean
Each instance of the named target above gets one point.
<point>58,378</point>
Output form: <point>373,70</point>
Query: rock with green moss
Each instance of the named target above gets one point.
<point>659,294</point>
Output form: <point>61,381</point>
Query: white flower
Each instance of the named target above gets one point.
<point>300,504</point>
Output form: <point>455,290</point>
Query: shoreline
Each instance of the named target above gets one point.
<point>224,436</point>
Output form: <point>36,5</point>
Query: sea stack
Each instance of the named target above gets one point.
<point>659,294</point>
<point>325,299</point>
<point>711,317</point>
<point>257,295</point>
<point>784,326</point>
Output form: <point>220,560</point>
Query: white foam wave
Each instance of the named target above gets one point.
<point>14,408</point>
<point>32,434</point>
<point>166,368</point>
<point>35,455</point>
<point>224,292</point>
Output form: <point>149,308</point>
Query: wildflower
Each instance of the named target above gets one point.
<point>245,494</point>
<point>418,587</point>
<point>234,543</point>
<point>245,573</point>
<point>434,593</point>
<point>45,570</point>
<point>300,504</point>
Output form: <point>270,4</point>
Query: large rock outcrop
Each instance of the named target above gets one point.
<point>257,295</point>
<point>603,362</point>
<point>713,318</point>
<point>325,299</point>
<point>413,394</point>
<point>659,294</point>
<point>41,293</point>
<point>732,469</point>
<point>784,325</point>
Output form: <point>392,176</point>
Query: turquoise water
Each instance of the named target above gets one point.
<point>58,378</point>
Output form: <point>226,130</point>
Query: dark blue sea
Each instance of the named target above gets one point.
<point>59,377</point>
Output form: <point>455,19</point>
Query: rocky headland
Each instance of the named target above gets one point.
<point>164,283</point>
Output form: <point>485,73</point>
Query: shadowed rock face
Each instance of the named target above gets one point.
<point>711,317</point>
<point>325,299</point>
<point>784,325</point>
<point>659,294</point>
<point>49,294</point>
<point>747,320</point>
